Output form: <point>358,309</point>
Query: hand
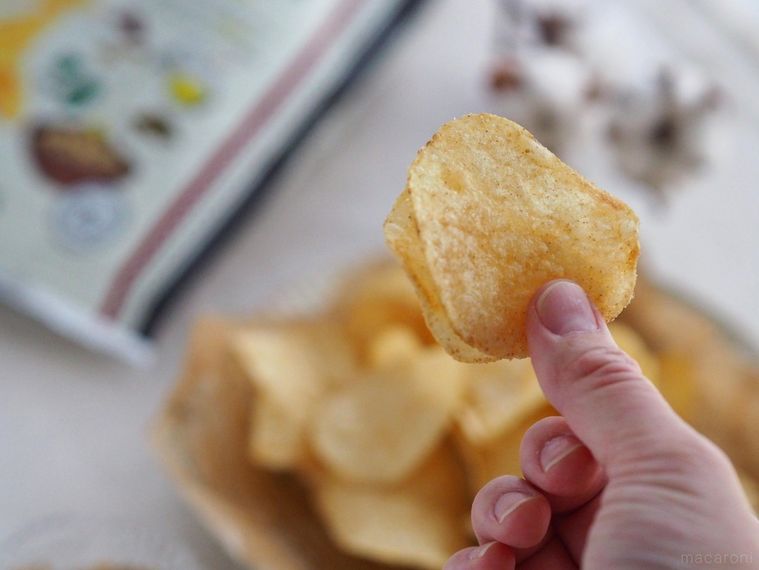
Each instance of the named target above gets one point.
<point>620,481</point>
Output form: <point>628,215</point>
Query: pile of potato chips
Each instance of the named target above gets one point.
<point>357,409</point>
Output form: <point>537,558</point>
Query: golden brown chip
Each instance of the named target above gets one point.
<point>275,438</point>
<point>290,365</point>
<point>677,383</point>
<point>393,344</point>
<point>383,426</point>
<point>634,345</point>
<point>377,297</point>
<point>487,217</point>
<point>666,322</point>
<point>498,396</point>
<point>291,360</point>
<point>751,488</point>
<point>706,372</point>
<point>262,518</point>
<point>416,522</point>
<point>498,456</point>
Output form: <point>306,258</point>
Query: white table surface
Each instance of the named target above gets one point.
<point>73,424</point>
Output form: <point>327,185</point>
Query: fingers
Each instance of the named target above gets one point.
<point>489,556</point>
<point>573,529</point>
<point>557,463</point>
<point>560,472</point>
<point>563,469</point>
<point>553,556</point>
<point>601,391</point>
<point>509,510</point>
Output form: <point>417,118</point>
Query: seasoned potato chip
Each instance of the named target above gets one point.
<point>292,360</point>
<point>751,488</point>
<point>383,426</point>
<point>380,296</point>
<point>290,365</point>
<point>499,456</point>
<point>439,378</point>
<point>416,522</point>
<point>748,438</point>
<point>263,519</point>
<point>394,343</point>
<point>487,217</point>
<point>275,438</point>
<point>634,345</point>
<point>677,383</point>
<point>498,396</point>
<point>656,315</point>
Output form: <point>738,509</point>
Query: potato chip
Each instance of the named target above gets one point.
<point>677,383</point>
<point>706,373</point>
<point>721,396</point>
<point>634,345</point>
<point>383,426</point>
<point>500,455</point>
<point>291,360</point>
<point>666,323</point>
<point>290,365</point>
<point>439,378</point>
<point>275,439</point>
<point>378,297</point>
<point>487,217</point>
<point>748,438</point>
<point>393,344</point>
<point>261,518</point>
<point>498,396</point>
<point>751,488</point>
<point>416,522</point>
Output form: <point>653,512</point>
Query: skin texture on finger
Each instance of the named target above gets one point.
<point>553,556</point>
<point>598,388</point>
<point>568,475</point>
<point>509,510</point>
<point>489,556</point>
<point>557,463</point>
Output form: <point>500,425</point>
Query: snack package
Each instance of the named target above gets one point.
<point>132,132</point>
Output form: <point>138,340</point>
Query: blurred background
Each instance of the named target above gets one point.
<point>164,160</point>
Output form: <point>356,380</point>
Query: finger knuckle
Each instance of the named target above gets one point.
<point>601,366</point>
<point>683,455</point>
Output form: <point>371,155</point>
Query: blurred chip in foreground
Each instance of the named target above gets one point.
<point>416,522</point>
<point>382,426</point>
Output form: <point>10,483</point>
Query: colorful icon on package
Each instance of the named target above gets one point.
<point>89,216</point>
<point>187,89</point>
<point>17,32</point>
<point>154,125</point>
<point>72,82</point>
<point>70,155</point>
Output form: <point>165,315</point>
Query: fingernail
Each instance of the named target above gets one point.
<point>508,503</point>
<point>556,449</point>
<point>480,551</point>
<point>564,308</point>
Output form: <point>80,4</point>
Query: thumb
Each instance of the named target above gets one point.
<point>600,391</point>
